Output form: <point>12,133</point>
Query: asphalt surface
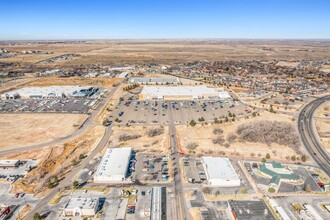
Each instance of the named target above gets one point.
<point>68,180</point>
<point>81,130</point>
<point>180,211</point>
<point>309,137</point>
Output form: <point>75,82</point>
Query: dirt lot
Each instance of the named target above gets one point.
<point>170,51</point>
<point>56,160</point>
<point>322,124</point>
<point>203,135</point>
<point>158,143</point>
<point>52,81</point>
<point>323,129</point>
<point>323,110</point>
<point>17,130</point>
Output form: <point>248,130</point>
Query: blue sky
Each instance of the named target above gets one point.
<point>139,19</point>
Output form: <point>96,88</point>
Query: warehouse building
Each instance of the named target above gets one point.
<point>158,203</point>
<point>114,165</point>
<point>154,81</point>
<point>81,207</point>
<point>182,93</point>
<point>50,92</point>
<point>220,172</point>
<point>277,173</point>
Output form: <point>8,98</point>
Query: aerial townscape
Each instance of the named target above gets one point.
<point>166,127</point>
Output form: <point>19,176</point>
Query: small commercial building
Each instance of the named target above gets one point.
<point>81,207</point>
<point>158,203</point>
<point>187,93</point>
<point>154,81</point>
<point>114,165</point>
<point>9,164</point>
<point>49,92</point>
<point>220,172</point>
<point>277,173</point>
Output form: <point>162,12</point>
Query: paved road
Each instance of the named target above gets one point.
<point>180,209</point>
<point>62,140</point>
<point>67,181</point>
<point>309,137</point>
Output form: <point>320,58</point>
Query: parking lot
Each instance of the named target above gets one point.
<point>151,168</point>
<point>193,170</point>
<point>14,173</point>
<point>194,173</point>
<point>157,111</point>
<point>57,105</point>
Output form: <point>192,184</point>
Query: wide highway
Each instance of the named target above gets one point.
<point>308,134</point>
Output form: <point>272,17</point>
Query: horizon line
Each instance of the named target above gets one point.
<point>162,39</point>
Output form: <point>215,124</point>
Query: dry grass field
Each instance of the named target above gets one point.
<point>171,51</point>
<point>159,143</point>
<point>203,135</point>
<point>322,124</point>
<point>56,160</point>
<point>52,81</point>
<point>18,130</point>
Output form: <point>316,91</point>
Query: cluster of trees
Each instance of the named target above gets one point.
<point>155,132</point>
<point>127,137</point>
<point>220,139</point>
<point>52,182</point>
<point>282,133</point>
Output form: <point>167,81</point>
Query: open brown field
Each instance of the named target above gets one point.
<point>53,81</point>
<point>171,51</point>
<point>323,129</point>
<point>159,143</point>
<point>18,130</point>
<point>203,135</point>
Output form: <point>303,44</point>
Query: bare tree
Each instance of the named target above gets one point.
<point>127,137</point>
<point>191,146</point>
<point>218,140</point>
<point>155,132</point>
<point>217,131</point>
<point>282,133</point>
<point>231,137</point>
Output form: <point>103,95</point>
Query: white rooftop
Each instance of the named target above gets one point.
<point>82,203</point>
<point>220,168</point>
<point>8,162</point>
<point>35,90</point>
<point>114,162</point>
<point>194,91</point>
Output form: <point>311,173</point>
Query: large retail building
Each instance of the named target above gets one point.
<point>48,92</point>
<point>114,165</point>
<point>182,93</point>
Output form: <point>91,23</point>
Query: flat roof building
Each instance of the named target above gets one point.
<point>277,172</point>
<point>182,93</point>
<point>220,172</point>
<point>154,81</point>
<point>50,92</point>
<point>249,210</point>
<point>158,203</point>
<point>81,207</point>
<point>114,165</point>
